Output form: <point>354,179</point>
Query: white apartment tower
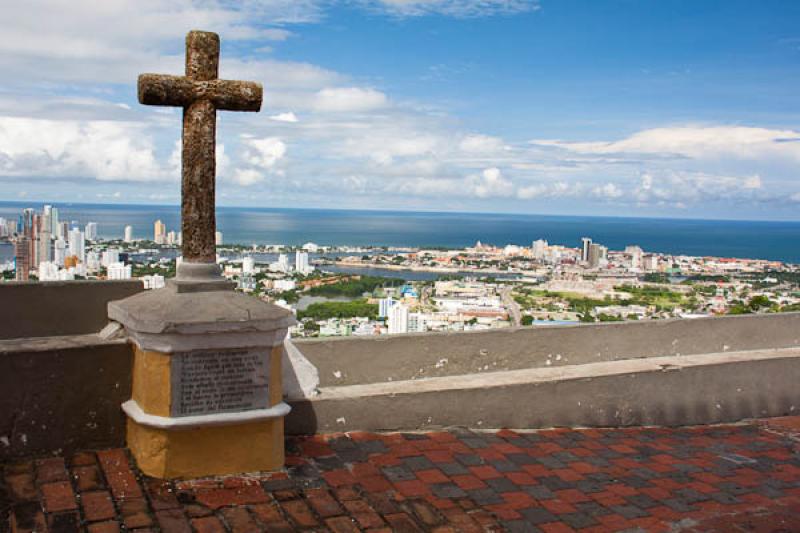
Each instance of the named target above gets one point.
<point>128,234</point>
<point>398,319</point>
<point>77,244</point>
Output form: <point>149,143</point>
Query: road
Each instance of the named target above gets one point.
<point>511,306</point>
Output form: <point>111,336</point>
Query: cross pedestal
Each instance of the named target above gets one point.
<point>207,393</point>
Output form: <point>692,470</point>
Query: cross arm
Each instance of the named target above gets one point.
<point>180,91</point>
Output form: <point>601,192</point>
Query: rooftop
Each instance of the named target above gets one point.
<point>738,477</point>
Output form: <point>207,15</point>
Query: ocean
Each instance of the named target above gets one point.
<point>244,225</point>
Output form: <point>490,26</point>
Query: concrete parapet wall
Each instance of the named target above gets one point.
<point>62,394</point>
<point>35,309</point>
<point>663,391</point>
<point>356,360</point>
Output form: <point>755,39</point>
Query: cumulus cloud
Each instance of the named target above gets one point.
<point>284,117</point>
<point>103,150</point>
<point>491,183</point>
<point>349,99</point>
<point>608,191</point>
<point>264,153</point>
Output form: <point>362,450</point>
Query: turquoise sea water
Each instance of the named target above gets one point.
<point>764,240</point>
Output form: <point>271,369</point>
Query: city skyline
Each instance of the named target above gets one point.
<point>573,108</point>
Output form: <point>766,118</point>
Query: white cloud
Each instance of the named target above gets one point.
<point>103,150</point>
<point>454,8</point>
<point>284,117</point>
<point>264,153</point>
<point>481,144</point>
<point>696,142</point>
<point>246,177</point>
<point>349,99</point>
<point>491,183</point>
<point>609,191</point>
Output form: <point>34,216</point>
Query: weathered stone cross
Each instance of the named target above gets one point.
<point>200,94</point>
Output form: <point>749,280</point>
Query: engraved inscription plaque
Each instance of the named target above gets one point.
<point>205,382</point>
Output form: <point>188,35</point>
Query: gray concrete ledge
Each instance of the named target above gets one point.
<point>62,394</point>
<point>353,360</point>
<point>52,308</point>
<point>672,390</point>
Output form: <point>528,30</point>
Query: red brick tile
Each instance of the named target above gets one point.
<point>104,527</point>
<point>374,484</point>
<point>461,520</point>
<point>160,494</point>
<point>521,478</point>
<point>21,487</point>
<point>119,474</point>
<point>173,521</point>
<point>433,475</point>
<point>342,524</point>
<point>58,497</point>
<point>518,499</point>
<point>365,470</point>
<point>135,513</point>
<point>83,459</point>
<point>558,506</point>
<point>339,477</point>
<point>485,472</point>
<point>216,498</point>
<point>411,488</point>
<point>344,494</point>
<point>267,512</point>
<point>439,456</point>
<point>97,505</point>
<point>87,478</point>
<point>402,523</point>
<point>239,520</point>
<point>468,482</point>
<point>51,470</point>
<point>299,513</point>
<point>323,503</point>
<point>556,527</point>
<point>208,524</point>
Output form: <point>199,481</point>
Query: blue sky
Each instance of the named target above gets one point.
<point>647,108</point>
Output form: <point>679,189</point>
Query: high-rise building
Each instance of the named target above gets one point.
<point>91,231</point>
<point>587,243</point>
<point>59,252</point>
<point>636,254</point>
<point>159,232</point>
<point>172,239</point>
<point>22,257</point>
<point>398,319</point>
<point>92,261</point>
<point>283,263</point>
<point>539,249</point>
<point>47,271</point>
<point>128,234</point>
<point>598,255</point>
<point>77,244</point>
<point>54,224</point>
<point>301,262</point>
<point>218,238</point>
<point>119,271</point>
<point>109,257</point>
<point>384,305</point>
<point>63,230</point>
<point>43,245</point>
<point>248,265</point>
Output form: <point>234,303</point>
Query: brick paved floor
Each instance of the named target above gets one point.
<point>720,478</point>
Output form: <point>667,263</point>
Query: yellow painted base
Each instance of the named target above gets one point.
<point>209,451</point>
<point>205,451</point>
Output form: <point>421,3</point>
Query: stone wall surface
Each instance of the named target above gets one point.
<point>62,393</point>
<point>353,360</point>
<point>34,309</point>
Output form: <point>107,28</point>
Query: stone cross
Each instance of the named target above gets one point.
<point>200,93</point>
